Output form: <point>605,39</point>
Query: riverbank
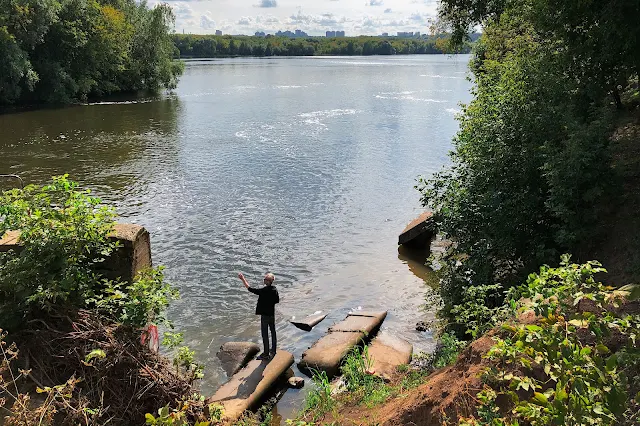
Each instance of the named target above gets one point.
<point>495,378</point>
<point>211,46</point>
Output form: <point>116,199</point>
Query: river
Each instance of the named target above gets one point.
<point>301,166</point>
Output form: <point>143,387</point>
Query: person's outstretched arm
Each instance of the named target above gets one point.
<point>246,284</point>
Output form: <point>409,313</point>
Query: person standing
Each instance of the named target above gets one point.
<point>268,297</point>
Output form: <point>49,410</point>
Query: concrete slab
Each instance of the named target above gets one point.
<point>328,352</point>
<point>381,315</point>
<point>235,355</point>
<point>309,322</point>
<point>387,352</point>
<point>366,324</point>
<point>248,387</point>
<point>419,232</point>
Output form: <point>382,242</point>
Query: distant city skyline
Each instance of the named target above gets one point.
<point>315,17</point>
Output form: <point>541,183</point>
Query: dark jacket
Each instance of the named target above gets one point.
<point>267,299</point>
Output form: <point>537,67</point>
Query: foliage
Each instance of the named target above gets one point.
<point>320,400</point>
<point>140,303</point>
<point>580,363</point>
<point>363,386</point>
<point>184,357</point>
<point>60,51</point>
<point>531,173</point>
<point>168,417</point>
<point>64,240</point>
<point>63,236</point>
<point>209,46</point>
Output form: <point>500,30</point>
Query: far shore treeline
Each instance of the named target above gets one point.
<point>64,51</point>
<point>211,46</point>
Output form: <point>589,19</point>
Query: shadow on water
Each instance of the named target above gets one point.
<point>98,145</point>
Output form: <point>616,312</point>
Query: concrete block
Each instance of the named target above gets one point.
<point>248,387</point>
<point>235,355</point>
<point>309,322</point>
<point>133,255</point>
<point>387,352</point>
<point>419,232</point>
<point>328,352</point>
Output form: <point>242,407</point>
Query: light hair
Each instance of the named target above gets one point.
<point>269,276</point>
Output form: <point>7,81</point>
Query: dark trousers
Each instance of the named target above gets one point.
<point>268,322</point>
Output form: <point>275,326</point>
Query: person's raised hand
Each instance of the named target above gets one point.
<point>241,276</point>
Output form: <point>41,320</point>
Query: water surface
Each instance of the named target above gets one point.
<point>300,166</point>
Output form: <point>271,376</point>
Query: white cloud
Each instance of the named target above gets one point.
<point>356,17</point>
<point>206,22</point>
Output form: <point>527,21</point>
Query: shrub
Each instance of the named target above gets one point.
<point>580,363</point>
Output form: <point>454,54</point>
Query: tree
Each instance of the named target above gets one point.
<point>63,51</point>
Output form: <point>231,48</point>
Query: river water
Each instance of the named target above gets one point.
<point>300,166</point>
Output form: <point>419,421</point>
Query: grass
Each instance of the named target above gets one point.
<point>362,388</point>
<point>320,400</point>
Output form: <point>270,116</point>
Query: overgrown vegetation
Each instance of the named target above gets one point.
<point>82,360</point>
<point>210,46</point>
<point>62,51</point>
<point>531,176</point>
<point>359,386</point>
<point>579,363</point>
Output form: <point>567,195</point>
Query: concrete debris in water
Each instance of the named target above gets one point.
<point>419,232</point>
<point>309,322</point>
<point>248,388</point>
<point>328,352</point>
<point>387,352</point>
<point>235,355</point>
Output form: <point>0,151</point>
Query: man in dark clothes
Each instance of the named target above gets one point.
<point>267,299</point>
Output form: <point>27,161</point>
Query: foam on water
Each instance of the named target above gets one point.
<point>328,113</point>
<point>409,98</point>
<point>442,76</point>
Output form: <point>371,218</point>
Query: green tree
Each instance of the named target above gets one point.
<point>531,165</point>
<point>62,51</point>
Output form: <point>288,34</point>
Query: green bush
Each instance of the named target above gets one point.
<point>580,363</point>
<point>530,169</point>
<point>64,238</point>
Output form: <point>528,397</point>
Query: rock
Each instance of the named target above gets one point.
<point>309,322</point>
<point>387,352</point>
<point>360,321</point>
<point>248,388</point>
<point>419,232</point>
<point>328,352</point>
<point>235,355</point>
<point>296,382</point>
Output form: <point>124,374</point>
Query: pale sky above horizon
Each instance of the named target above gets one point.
<point>356,17</point>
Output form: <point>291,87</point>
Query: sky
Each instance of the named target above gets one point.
<point>355,17</point>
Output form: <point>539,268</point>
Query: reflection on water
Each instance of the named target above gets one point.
<point>304,167</point>
<point>416,260</point>
<point>102,146</point>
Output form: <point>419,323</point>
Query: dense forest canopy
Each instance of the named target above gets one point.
<point>532,174</point>
<point>60,51</point>
<point>209,46</point>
